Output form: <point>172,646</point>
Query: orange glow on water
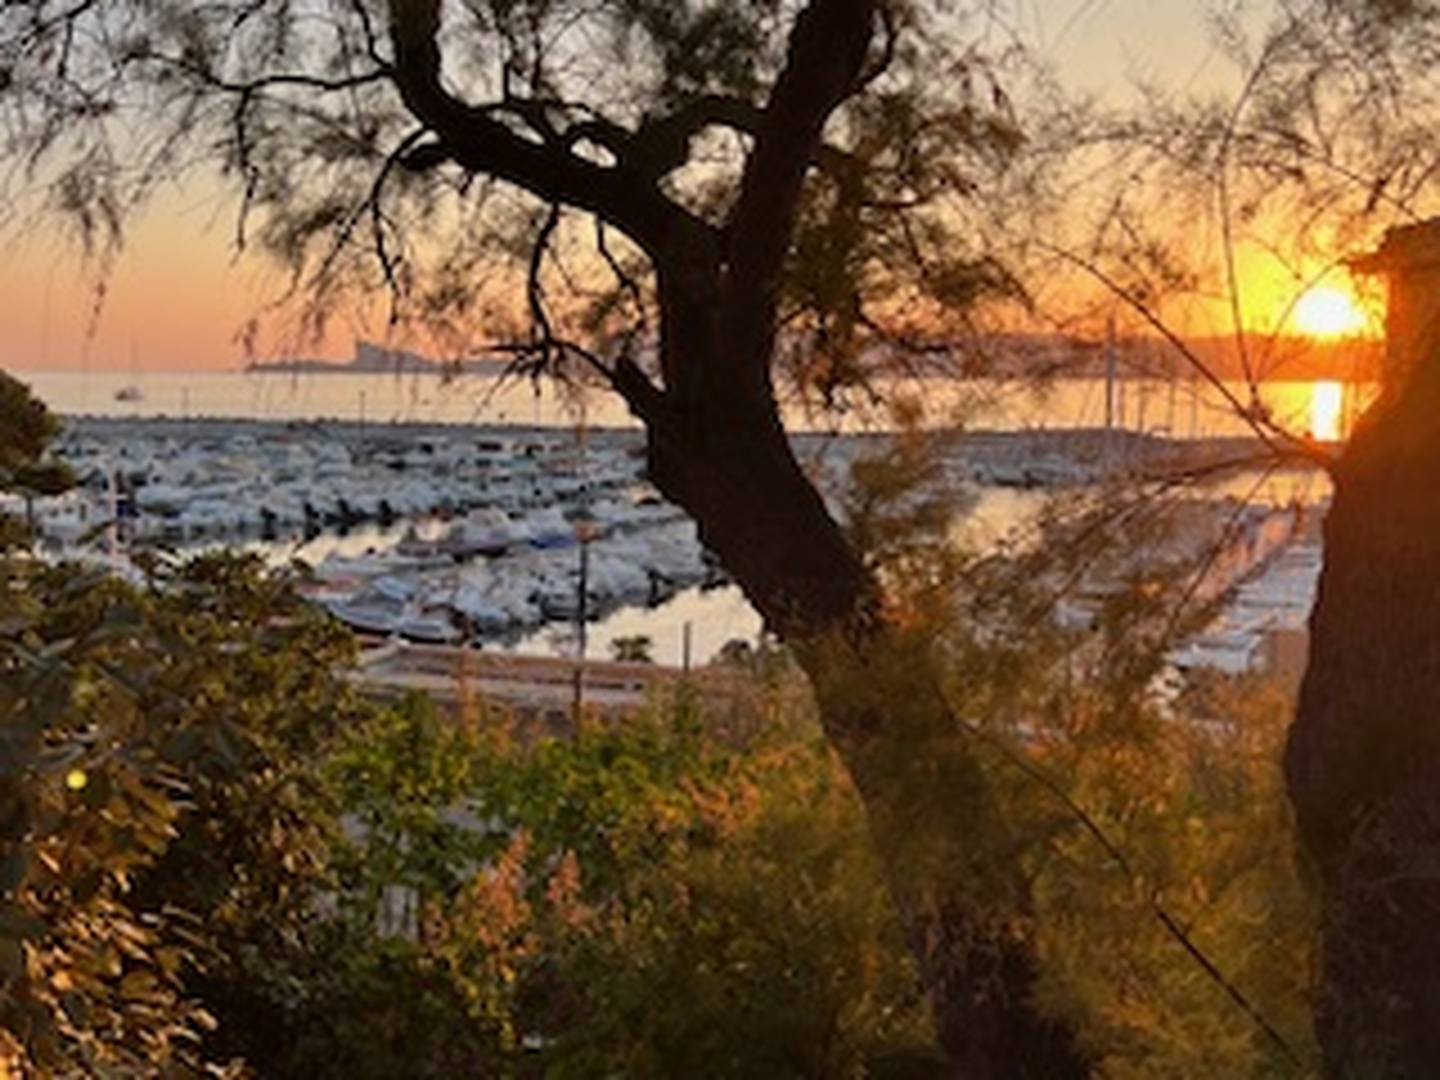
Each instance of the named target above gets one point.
<point>1327,410</point>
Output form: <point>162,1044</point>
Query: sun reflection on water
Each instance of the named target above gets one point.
<point>1327,410</point>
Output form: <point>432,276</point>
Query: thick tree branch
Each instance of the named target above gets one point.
<point>663,143</point>
<point>479,142</point>
<point>827,53</point>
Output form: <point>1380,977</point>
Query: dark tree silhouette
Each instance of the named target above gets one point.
<point>1364,752</point>
<point>1331,135</point>
<point>742,164</point>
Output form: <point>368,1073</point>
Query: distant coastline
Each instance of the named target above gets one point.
<point>372,359</point>
<point>1002,356</point>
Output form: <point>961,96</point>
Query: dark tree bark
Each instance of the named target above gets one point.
<point>1363,760</point>
<point>718,449</point>
<point>941,842</point>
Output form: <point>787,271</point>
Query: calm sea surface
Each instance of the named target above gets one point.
<point>1181,409</point>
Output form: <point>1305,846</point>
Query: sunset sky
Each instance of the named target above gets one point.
<point>177,298</point>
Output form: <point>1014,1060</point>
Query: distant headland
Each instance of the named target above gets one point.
<point>994,356</point>
<point>370,359</point>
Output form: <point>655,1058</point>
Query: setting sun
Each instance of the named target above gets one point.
<point>1326,311</point>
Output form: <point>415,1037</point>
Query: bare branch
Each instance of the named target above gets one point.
<point>254,87</point>
<point>627,282</point>
<point>534,288</point>
<point>1253,412</point>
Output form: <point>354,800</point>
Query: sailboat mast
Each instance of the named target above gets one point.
<point>1110,372</point>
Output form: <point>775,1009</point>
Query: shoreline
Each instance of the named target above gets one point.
<point>1090,445</point>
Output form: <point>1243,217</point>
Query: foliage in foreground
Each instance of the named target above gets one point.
<point>1197,854</point>
<point>216,856</point>
<point>159,810</point>
<point>638,900</point>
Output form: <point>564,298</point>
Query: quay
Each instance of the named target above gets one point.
<point>535,688</point>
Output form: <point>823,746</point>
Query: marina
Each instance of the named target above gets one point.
<point>548,541</point>
<point>431,533</point>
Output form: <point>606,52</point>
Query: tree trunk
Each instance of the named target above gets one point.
<point>952,862</point>
<point>1363,760</point>
<point>717,448</point>
<point>949,861</point>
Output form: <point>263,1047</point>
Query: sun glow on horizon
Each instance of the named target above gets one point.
<point>1327,311</point>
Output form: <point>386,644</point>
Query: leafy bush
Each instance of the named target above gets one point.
<point>638,900</point>
<point>215,856</point>
<point>159,805</point>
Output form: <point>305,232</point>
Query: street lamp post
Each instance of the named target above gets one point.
<point>584,533</point>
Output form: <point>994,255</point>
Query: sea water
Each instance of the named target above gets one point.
<point>1174,408</point>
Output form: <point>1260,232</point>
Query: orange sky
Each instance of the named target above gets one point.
<point>176,299</point>
<point>1271,291</point>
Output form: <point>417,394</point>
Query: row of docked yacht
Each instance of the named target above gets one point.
<point>466,533</point>
<point>462,533</point>
<point>185,482</point>
<point>1264,626</point>
<point>439,597</point>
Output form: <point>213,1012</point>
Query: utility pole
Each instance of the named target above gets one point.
<point>584,533</point>
<point>1110,366</point>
